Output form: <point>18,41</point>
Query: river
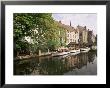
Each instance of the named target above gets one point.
<point>81,64</point>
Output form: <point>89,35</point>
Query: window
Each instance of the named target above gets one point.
<point>80,34</point>
<point>70,35</point>
<point>67,40</point>
<point>67,35</point>
<point>73,40</point>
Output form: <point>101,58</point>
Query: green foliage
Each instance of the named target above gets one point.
<point>41,28</point>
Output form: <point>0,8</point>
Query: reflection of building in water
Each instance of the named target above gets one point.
<point>80,61</point>
<point>69,63</point>
<point>76,61</point>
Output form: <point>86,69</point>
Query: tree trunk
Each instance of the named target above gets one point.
<point>48,51</point>
<point>39,52</point>
<point>17,53</point>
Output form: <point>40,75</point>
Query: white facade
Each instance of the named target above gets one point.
<point>85,36</point>
<point>72,36</point>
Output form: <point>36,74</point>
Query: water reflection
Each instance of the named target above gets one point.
<point>82,64</point>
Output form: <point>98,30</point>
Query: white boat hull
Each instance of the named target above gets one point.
<point>74,52</point>
<point>60,54</point>
<point>60,57</point>
<point>84,50</point>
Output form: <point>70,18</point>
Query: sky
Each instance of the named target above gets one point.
<point>88,20</point>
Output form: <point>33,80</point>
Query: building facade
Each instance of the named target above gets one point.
<point>83,35</point>
<point>79,35</point>
<point>72,35</point>
<point>93,38</point>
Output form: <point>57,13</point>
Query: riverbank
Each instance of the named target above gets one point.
<point>48,54</point>
<point>31,56</point>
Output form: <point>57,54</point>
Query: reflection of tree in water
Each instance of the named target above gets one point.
<point>24,67</point>
<point>52,66</point>
<point>91,56</point>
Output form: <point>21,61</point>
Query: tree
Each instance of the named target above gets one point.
<point>40,27</point>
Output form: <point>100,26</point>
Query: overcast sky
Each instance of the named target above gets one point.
<point>89,20</point>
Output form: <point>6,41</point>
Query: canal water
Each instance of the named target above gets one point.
<point>81,64</point>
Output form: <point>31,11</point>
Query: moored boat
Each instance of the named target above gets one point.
<point>60,53</point>
<point>85,49</point>
<point>74,52</point>
<point>60,57</point>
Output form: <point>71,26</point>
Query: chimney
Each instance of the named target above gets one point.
<point>85,27</point>
<point>60,21</point>
<point>70,23</point>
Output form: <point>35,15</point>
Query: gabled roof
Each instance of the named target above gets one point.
<point>67,27</point>
<point>81,28</point>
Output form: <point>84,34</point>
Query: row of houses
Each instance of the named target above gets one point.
<point>73,37</point>
<point>78,36</point>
